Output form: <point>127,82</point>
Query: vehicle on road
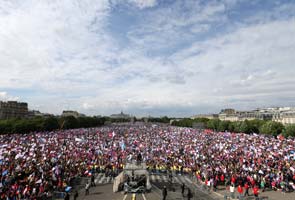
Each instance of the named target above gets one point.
<point>133,179</point>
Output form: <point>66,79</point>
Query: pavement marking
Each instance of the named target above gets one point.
<point>177,180</point>
<point>182,180</point>
<point>153,177</point>
<point>102,180</point>
<point>165,178</point>
<point>158,178</point>
<point>188,180</point>
<point>158,190</point>
<point>143,196</point>
<point>108,179</point>
<point>97,178</point>
<point>125,196</point>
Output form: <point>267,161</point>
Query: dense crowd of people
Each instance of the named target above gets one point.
<point>34,165</point>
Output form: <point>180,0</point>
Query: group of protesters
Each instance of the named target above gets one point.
<point>35,164</point>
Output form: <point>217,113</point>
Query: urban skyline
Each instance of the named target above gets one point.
<point>147,57</point>
<point>22,109</point>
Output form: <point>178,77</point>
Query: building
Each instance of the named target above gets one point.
<point>208,116</point>
<point>37,113</point>
<point>228,114</point>
<point>228,111</point>
<point>68,113</point>
<point>285,115</point>
<point>13,109</point>
<point>120,116</point>
<point>228,117</point>
<point>233,115</point>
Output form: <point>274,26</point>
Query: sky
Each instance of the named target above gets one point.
<point>147,57</point>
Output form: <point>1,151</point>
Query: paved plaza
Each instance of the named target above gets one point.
<point>104,187</point>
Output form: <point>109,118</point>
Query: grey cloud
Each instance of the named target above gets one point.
<point>177,79</point>
<point>67,54</point>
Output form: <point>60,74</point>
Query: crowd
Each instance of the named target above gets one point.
<point>34,165</point>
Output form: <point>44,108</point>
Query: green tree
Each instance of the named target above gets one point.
<point>238,127</point>
<point>68,122</point>
<point>289,130</point>
<point>223,125</point>
<point>25,126</point>
<point>213,124</point>
<point>231,127</point>
<point>256,124</point>
<point>50,124</point>
<point>272,128</point>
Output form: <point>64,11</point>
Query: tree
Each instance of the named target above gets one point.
<point>68,122</point>
<point>6,126</point>
<point>272,128</point>
<point>231,127</point>
<point>256,124</point>
<point>50,124</point>
<point>164,119</point>
<point>223,125</point>
<point>213,124</point>
<point>289,130</point>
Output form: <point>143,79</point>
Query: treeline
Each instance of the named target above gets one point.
<point>70,122</point>
<point>164,119</point>
<point>48,124</point>
<point>247,126</point>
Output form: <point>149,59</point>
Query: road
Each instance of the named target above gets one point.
<point>103,190</point>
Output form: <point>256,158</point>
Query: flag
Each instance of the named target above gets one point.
<point>79,140</point>
<point>39,181</point>
<point>123,145</point>
<point>4,173</point>
<point>42,140</point>
<point>26,190</point>
<point>280,137</point>
<point>112,135</point>
<point>68,188</point>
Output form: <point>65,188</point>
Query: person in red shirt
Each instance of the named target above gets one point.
<point>222,178</point>
<point>233,180</point>
<point>246,189</point>
<point>253,183</point>
<point>240,191</point>
<point>255,191</point>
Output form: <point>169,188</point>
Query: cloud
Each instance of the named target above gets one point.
<point>5,97</point>
<point>254,59</point>
<point>87,106</point>
<point>174,24</point>
<point>200,28</point>
<point>54,39</point>
<point>177,58</point>
<point>144,3</point>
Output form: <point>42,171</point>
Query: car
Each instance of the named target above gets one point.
<point>133,179</point>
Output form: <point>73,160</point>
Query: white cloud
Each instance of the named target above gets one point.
<point>87,106</point>
<point>5,97</point>
<point>65,52</point>
<point>144,3</point>
<point>200,28</point>
<point>254,60</point>
<point>43,40</point>
<point>177,23</point>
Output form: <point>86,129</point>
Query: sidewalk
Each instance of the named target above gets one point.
<point>221,191</point>
<point>268,194</point>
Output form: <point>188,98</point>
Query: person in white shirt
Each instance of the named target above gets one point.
<point>232,191</point>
